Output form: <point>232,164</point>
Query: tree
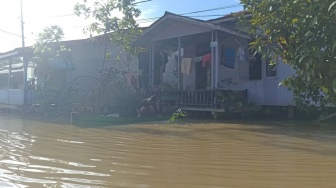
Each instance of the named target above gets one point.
<point>115,21</point>
<point>47,50</point>
<point>302,34</point>
<point>48,47</point>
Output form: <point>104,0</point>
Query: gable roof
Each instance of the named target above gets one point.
<point>17,52</point>
<point>169,18</point>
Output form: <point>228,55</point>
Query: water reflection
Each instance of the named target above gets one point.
<point>241,154</point>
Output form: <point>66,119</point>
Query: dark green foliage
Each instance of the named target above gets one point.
<point>302,34</point>
<point>115,21</point>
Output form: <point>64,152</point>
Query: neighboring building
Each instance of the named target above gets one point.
<point>82,69</point>
<point>212,58</point>
<point>12,76</point>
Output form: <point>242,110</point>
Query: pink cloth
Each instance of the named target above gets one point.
<point>206,58</point>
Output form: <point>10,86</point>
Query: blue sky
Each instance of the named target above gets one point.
<point>41,13</point>
<point>156,8</point>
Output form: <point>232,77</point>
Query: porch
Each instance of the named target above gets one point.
<point>215,100</point>
<point>196,60</point>
<point>14,66</point>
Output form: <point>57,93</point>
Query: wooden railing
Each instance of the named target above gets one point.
<point>169,97</point>
<point>205,98</point>
<point>212,98</point>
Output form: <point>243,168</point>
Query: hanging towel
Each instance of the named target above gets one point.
<point>165,61</point>
<point>134,81</point>
<point>206,58</point>
<point>189,65</point>
<point>128,78</point>
<point>198,59</point>
<point>241,54</point>
<point>186,65</point>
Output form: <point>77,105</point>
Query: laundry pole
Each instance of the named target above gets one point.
<point>179,63</point>
<point>151,65</point>
<point>217,60</point>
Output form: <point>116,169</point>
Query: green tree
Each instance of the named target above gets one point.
<point>302,33</point>
<point>48,49</point>
<point>48,45</point>
<point>115,21</point>
<point>51,94</point>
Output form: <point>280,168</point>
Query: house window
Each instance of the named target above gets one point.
<point>255,67</point>
<point>228,57</point>
<point>270,69</point>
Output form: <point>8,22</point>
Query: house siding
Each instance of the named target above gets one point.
<point>261,92</point>
<point>88,60</point>
<point>275,95</point>
<point>178,29</point>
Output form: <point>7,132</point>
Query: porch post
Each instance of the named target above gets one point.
<point>179,63</point>
<point>212,60</point>
<point>151,65</point>
<point>217,60</point>
<point>25,84</point>
<point>9,79</point>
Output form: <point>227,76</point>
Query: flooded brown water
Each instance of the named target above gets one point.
<point>232,155</point>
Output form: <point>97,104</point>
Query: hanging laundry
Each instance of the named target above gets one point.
<point>229,57</point>
<point>186,65</point>
<point>134,82</point>
<point>198,59</point>
<point>165,61</point>
<point>205,59</point>
<point>241,54</point>
<point>128,78</point>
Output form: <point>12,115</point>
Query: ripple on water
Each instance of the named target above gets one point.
<point>242,155</point>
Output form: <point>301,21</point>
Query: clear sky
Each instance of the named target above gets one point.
<point>40,13</point>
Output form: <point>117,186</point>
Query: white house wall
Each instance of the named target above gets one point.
<point>261,92</point>
<point>275,95</point>
<point>88,59</point>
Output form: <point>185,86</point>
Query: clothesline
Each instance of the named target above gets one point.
<point>186,63</point>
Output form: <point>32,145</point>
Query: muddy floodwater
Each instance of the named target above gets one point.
<point>191,155</point>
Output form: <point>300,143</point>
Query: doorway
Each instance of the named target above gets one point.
<point>203,74</point>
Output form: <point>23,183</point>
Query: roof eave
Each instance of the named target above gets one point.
<point>17,52</point>
<point>143,38</point>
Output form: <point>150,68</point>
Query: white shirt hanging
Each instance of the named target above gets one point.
<point>241,54</point>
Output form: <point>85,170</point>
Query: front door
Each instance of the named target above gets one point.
<point>202,73</point>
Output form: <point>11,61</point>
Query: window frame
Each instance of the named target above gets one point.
<point>224,59</point>
<point>267,70</point>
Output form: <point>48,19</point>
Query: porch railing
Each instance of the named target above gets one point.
<point>212,98</point>
<point>169,97</point>
<point>205,98</point>
<point>11,96</point>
